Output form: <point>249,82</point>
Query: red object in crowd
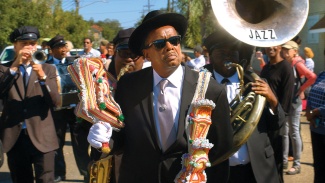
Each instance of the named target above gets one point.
<point>304,104</point>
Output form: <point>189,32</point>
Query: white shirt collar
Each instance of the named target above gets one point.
<point>233,79</point>
<point>175,78</point>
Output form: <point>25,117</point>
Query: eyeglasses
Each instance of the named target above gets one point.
<point>126,53</point>
<point>161,43</point>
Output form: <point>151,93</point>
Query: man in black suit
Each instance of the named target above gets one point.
<point>29,92</point>
<point>254,161</point>
<point>63,116</point>
<point>146,157</point>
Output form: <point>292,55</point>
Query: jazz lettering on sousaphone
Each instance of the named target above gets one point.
<point>258,23</point>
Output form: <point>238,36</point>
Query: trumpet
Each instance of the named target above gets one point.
<point>39,57</point>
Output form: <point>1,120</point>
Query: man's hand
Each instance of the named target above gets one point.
<point>38,69</point>
<point>99,133</point>
<point>262,88</point>
<point>24,56</point>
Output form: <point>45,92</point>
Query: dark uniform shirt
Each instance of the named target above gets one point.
<point>281,80</point>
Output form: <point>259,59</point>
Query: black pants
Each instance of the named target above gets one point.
<point>318,144</point>
<point>277,145</point>
<point>241,174</point>
<point>81,147</point>
<point>63,119</point>
<point>23,156</point>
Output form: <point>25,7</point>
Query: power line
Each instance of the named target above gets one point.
<point>114,12</point>
<point>148,6</point>
<point>68,5</point>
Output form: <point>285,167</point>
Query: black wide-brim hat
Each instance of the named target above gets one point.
<point>154,20</point>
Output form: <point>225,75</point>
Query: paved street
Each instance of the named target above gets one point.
<point>306,175</point>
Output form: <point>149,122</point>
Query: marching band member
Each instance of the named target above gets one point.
<point>254,161</point>
<point>63,117</point>
<point>148,155</point>
<point>29,91</point>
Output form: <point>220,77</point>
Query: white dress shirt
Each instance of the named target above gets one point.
<point>172,92</point>
<point>197,63</point>
<point>241,157</point>
<point>92,53</point>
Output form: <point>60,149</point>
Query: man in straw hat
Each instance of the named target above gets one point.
<point>150,156</point>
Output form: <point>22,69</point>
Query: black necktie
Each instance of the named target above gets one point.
<point>225,81</point>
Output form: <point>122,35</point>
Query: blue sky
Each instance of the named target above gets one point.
<point>127,12</point>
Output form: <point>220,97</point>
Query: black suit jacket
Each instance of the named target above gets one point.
<point>143,160</point>
<point>32,106</point>
<point>259,147</point>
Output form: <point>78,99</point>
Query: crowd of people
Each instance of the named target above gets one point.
<point>150,147</point>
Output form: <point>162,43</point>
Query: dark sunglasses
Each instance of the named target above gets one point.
<point>125,53</point>
<point>161,43</point>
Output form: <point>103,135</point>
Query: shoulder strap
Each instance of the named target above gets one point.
<point>201,88</point>
<point>197,125</point>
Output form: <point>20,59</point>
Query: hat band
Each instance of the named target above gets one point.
<point>59,43</point>
<point>27,36</point>
<point>122,46</point>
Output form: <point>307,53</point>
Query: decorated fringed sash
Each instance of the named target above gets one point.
<point>96,101</point>
<point>197,125</point>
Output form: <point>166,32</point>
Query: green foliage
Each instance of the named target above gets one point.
<point>201,20</point>
<point>16,13</point>
<point>110,28</point>
<point>50,19</point>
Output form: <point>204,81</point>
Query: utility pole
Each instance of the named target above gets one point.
<point>148,5</point>
<point>77,6</point>
<point>168,6</point>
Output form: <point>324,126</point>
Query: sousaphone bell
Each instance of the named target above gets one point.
<point>262,23</point>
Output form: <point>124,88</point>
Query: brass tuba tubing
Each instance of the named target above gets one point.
<point>257,23</point>
<point>245,112</point>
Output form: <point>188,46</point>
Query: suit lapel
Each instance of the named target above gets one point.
<point>209,67</point>
<point>147,105</point>
<point>31,82</point>
<point>189,86</point>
